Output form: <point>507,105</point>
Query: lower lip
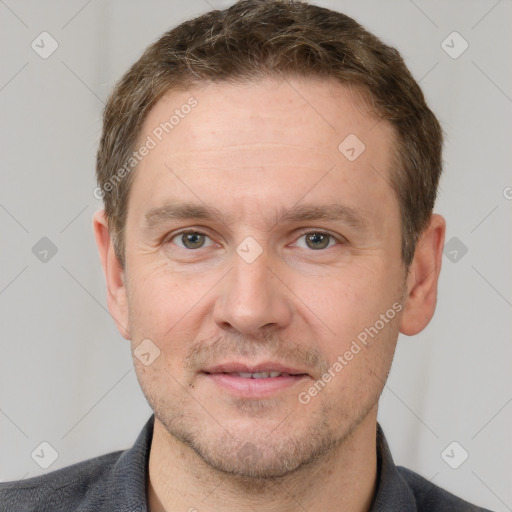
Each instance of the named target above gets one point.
<point>254,388</point>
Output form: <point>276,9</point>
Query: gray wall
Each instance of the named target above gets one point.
<point>66,375</point>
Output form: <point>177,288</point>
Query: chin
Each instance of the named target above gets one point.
<point>252,449</point>
<point>260,460</point>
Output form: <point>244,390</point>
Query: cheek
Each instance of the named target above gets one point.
<point>156,299</point>
<point>167,306</point>
<point>358,344</point>
<point>345,303</point>
<point>162,309</point>
<point>359,354</point>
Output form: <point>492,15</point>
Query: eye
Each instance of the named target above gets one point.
<point>191,240</point>
<point>317,240</point>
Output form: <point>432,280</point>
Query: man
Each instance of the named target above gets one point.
<point>269,174</point>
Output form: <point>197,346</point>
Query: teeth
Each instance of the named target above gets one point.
<point>259,375</point>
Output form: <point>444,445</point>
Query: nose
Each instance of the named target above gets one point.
<point>252,298</point>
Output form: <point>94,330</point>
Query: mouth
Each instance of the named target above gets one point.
<point>264,370</point>
<point>254,381</point>
<point>258,375</point>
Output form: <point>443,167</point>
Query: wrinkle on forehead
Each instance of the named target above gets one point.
<point>255,155</point>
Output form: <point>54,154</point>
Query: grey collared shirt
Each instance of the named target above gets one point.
<point>116,482</point>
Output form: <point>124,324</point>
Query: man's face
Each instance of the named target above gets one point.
<point>271,280</point>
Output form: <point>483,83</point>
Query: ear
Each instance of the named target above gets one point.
<point>114,275</point>
<point>421,298</point>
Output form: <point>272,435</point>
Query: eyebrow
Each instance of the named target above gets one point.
<point>298,213</point>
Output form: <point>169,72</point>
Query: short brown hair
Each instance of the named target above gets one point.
<point>254,38</point>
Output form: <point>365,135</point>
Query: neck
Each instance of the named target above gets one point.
<point>344,479</point>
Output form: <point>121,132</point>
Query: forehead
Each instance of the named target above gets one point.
<point>312,114</point>
<point>262,139</point>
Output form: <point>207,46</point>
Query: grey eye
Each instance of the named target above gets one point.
<point>191,240</point>
<point>317,241</point>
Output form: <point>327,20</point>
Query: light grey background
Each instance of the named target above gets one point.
<point>66,374</point>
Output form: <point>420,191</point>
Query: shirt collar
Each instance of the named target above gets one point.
<point>393,493</point>
<point>131,474</point>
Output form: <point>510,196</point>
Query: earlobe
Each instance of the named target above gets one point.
<point>114,275</point>
<point>421,296</point>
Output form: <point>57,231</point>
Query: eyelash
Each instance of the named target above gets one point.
<point>338,239</point>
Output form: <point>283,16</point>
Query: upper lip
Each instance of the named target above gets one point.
<point>236,367</point>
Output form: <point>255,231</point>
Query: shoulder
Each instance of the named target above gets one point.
<point>430,497</point>
<point>60,490</point>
